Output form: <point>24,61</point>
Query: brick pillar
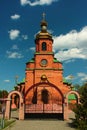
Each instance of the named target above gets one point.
<point>7,111</point>
<point>65,108</point>
<point>21,110</point>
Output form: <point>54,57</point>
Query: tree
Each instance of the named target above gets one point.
<point>81,109</point>
<point>77,87</point>
<point>3,93</point>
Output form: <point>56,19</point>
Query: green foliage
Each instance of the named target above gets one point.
<point>81,109</point>
<point>0,107</point>
<point>9,122</point>
<point>3,94</point>
<point>77,87</point>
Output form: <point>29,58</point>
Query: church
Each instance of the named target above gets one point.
<point>43,90</point>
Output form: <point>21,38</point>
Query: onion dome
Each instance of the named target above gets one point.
<point>43,33</point>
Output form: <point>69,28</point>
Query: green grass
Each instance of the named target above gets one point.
<point>8,123</point>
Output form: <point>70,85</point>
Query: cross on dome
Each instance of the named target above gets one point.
<point>43,16</point>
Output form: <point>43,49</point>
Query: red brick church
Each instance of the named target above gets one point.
<point>44,89</point>
<point>44,74</point>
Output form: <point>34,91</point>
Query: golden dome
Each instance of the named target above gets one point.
<point>43,33</point>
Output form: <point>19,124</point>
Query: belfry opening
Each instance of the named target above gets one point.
<point>43,90</point>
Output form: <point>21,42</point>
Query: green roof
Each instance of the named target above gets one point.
<point>23,81</point>
<point>55,60</point>
<point>65,81</point>
<point>47,53</point>
<point>71,97</point>
<point>37,52</point>
<point>31,61</point>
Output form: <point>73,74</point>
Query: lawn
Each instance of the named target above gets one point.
<point>6,123</point>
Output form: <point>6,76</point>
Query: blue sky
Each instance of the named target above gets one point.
<point>20,21</point>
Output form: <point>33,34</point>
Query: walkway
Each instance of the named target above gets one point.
<point>43,124</point>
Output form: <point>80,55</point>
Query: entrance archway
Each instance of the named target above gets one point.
<point>21,105</point>
<point>67,104</point>
<point>46,83</point>
<point>47,98</point>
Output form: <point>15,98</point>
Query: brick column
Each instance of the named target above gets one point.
<point>65,108</point>
<point>7,111</point>
<point>21,110</point>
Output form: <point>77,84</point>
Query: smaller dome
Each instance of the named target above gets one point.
<point>43,26</point>
<point>43,23</point>
<point>43,77</point>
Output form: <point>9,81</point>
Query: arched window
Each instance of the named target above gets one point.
<point>44,46</point>
<point>45,96</point>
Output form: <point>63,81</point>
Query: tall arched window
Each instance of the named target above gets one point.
<point>44,46</point>
<point>45,96</point>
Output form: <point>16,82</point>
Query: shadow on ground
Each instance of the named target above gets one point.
<point>44,116</point>
<point>71,123</point>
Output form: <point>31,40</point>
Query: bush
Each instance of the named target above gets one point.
<point>81,110</point>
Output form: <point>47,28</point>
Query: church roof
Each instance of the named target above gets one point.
<point>66,82</point>
<point>22,82</point>
<point>43,35</point>
<point>31,61</point>
<point>55,60</point>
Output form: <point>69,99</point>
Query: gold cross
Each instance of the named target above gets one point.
<point>43,16</point>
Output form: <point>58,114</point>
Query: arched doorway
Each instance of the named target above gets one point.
<point>44,98</point>
<point>67,111</point>
<point>21,105</point>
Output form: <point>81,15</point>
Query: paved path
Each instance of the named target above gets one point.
<point>43,124</point>
<point>40,125</point>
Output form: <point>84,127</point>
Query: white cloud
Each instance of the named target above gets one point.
<point>7,80</point>
<point>24,2</point>
<point>37,2</point>
<point>25,37</point>
<point>82,76</point>
<point>50,31</point>
<point>71,54</point>
<point>32,48</point>
<point>14,47</point>
<point>14,55</point>
<point>15,16</point>
<point>13,34</point>
<point>69,77</point>
<point>71,46</point>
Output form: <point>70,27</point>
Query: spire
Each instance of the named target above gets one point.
<point>43,16</point>
<point>43,33</point>
<point>43,23</point>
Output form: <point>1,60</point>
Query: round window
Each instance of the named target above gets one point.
<point>43,62</point>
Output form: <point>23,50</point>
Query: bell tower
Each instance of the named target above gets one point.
<point>43,39</point>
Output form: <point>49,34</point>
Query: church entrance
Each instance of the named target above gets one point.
<point>46,100</point>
